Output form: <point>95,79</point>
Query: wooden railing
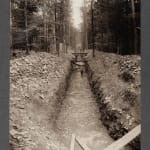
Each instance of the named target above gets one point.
<point>117,145</point>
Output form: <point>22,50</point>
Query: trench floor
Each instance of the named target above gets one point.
<point>80,116</point>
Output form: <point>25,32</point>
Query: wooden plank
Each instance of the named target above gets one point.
<point>80,53</point>
<point>82,144</point>
<point>125,139</point>
<point>72,142</point>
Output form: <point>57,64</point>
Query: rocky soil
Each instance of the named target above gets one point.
<point>37,85</point>
<point>44,111</point>
<point>115,81</point>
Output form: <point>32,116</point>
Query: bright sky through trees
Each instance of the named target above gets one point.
<point>76,12</point>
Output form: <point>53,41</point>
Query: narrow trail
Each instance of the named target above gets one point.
<point>80,115</point>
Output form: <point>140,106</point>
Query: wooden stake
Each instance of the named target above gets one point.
<point>72,142</point>
<point>82,144</point>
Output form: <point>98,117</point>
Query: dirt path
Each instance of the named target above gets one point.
<point>80,115</point>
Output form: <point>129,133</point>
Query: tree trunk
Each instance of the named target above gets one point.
<point>26,28</point>
<point>92,20</point>
<point>134,26</point>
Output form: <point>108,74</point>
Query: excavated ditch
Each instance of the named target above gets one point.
<point>74,111</point>
<point>79,115</point>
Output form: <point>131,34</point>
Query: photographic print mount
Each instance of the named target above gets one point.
<point>62,49</point>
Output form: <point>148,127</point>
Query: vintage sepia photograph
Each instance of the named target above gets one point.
<point>75,75</point>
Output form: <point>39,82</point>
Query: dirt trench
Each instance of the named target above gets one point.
<point>74,111</point>
<point>79,115</point>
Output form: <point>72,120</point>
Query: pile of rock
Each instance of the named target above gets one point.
<point>35,82</point>
<point>115,81</point>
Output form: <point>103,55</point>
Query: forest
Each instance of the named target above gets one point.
<point>40,25</point>
<point>113,26</point>
<point>46,25</point>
